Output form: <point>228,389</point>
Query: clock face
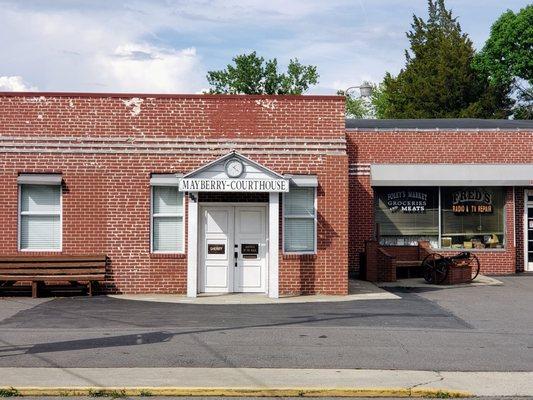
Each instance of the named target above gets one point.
<point>234,168</point>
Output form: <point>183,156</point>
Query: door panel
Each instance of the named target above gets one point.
<point>233,249</point>
<point>216,251</point>
<point>251,248</point>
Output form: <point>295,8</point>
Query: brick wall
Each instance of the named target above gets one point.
<point>106,148</point>
<point>367,147</point>
<point>52,114</point>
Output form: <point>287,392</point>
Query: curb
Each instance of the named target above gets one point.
<point>234,392</point>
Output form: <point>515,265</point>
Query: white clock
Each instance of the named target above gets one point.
<point>234,168</point>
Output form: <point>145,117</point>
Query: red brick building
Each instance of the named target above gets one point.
<point>270,194</point>
<point>443,167</point>
<point>90,173</point>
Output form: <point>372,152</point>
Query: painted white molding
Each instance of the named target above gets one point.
<point>273,245</point>
<point>192,245</point>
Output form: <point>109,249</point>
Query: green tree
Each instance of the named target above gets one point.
<point>356,107</point>
<point>438,80</point>
<point>251,74</point>
<point>507,58</point>
<point>379,100</point>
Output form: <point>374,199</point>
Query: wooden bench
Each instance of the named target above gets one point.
<point>407,265</point>
<point>60,268</point>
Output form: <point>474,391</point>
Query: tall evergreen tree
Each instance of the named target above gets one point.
<point>438,80</point>
<point>507,58</point>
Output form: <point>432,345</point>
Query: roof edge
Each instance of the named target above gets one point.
<point>511,129</point>
<point>436,124</point>
<point>173,96</point>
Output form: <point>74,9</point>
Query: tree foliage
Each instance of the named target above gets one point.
<point>507,58</point>
<point>251,74</point>
<point>380,101</point>
<point>356,107</point>
<point>438,80</point>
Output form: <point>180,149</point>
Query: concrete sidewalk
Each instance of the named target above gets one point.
<point>266,382</point>
<point>358,290</point>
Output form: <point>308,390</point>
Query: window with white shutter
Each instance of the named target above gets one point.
<point>40,217</point>
<point>299,220</point>
<point>167,220</point>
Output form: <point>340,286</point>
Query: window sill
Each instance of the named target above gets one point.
<point>299,256</point>
<point>47,251</point>
<point>446,249</point>
<point>168,255</point>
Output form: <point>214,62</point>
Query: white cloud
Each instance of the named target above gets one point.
<point>146,68</point>
<point>14,84</point>
<point>107,51</point>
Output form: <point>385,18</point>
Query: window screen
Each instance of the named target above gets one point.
<point>40,217</point>
<point>299,220</point>
<point>167,219</point>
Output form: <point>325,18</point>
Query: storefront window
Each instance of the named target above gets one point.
<point>472,217</point>
<point>407,215</point>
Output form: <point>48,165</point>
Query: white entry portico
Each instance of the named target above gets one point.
<point>233,247</point>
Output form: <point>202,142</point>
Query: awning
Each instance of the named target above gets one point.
<point>302,180</point>
<point>39,179</point>
<point>451,174</point>
<point>165,179</point>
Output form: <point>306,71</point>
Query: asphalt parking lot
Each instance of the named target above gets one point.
<point>466,329</point>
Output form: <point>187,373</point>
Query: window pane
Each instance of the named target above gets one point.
<point>40,232</point>
<point>299,234</point>
<point>167,200</point>
<point>473,217</point>
<point>167,234</point>
<point>40,199</point>
<point>406,215</point>
<point>300,201</point>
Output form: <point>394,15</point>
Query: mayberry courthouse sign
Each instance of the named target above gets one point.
<point>233,185</point>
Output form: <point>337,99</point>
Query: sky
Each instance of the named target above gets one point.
<point>164,46</point>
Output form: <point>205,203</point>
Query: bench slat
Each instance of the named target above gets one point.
<point>405,264</point>
<point>86,277</point>
<point>48,264</point>
<point>57,258</point>
<point>51,271</point>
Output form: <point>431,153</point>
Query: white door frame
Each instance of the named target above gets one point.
<point>272,261</point>
<point>525,230</point>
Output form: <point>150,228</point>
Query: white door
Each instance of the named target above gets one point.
<point>216,249</point>
<point>529,231</point>
<point>250,249</point>
<point>233,249</point>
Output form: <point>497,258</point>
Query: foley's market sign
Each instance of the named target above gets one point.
<point>233,185</point>
<point>407,201</point>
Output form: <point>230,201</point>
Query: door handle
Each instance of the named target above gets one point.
<point>236,255</point>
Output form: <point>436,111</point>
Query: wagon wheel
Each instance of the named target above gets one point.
<point>475,264</point>
<point>435,269</point>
